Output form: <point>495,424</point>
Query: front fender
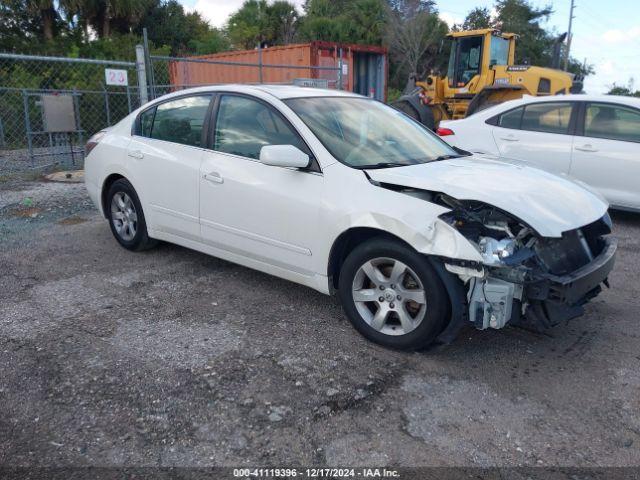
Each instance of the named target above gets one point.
<point>353,202</point>
<point>433,237</point>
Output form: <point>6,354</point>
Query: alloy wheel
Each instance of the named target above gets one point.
<point>389,296</point>
<point>124,216</point>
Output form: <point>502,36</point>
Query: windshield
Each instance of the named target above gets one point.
<point>499,51</point>
<point>364,133</point>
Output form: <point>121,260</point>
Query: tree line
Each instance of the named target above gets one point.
<point>411,29</point>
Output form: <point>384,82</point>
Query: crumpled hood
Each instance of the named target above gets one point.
<point>548,203</point>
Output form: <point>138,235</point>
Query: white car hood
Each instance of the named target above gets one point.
<point>548,203</point>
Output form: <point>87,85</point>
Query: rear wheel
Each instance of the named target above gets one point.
<point>126,218</point>
<point>392,295</point>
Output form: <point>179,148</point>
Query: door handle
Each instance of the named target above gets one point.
<point>137,154</point>
<point>586,148</point>
<point>213,177</point>
<point>509,139</point>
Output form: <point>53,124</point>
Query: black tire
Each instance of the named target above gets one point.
<point>438,305</point>
<point>140,240</point>
<point>483,106</point>
<point>425,116</point>
<point>407,109</point>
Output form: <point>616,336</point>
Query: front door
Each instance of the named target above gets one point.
<point>606,153</point>
<point>265,213</point>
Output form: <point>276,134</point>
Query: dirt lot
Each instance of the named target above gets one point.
<point>171,357</point>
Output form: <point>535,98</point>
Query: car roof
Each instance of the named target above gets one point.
<point>278,91</point>
<point>584,97</point>
<point>577,97</point>
<point>527,99</point>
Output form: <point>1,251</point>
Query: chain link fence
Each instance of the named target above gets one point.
<point>86,102</point>
<point>50,106</point>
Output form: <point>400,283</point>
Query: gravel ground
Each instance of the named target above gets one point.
<point>173,358</point>
<point>16,161</point>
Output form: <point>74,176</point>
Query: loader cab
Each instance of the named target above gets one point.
<point>475,52</point>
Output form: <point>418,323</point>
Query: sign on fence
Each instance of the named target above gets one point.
<point>116,77</point>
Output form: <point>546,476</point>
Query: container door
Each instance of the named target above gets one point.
<point>368,73</point>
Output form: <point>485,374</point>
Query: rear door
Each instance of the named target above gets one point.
<point>166,152</point>
<point>606,152</point>
<point>540,134</point>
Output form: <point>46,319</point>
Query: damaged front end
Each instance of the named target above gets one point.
<point>525,278</point>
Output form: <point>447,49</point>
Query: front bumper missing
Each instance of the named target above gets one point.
<point>549,299</point>
<point>575,286</point>
<point>554,298</point>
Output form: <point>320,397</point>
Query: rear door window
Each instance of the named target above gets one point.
<point>614,122</point>
<point>547,117</point>
<point>178,121</point>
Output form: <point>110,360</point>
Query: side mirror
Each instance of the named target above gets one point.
<point>284,156</point>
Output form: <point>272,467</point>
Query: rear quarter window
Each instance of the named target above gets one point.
<point>145,122</point>
<point>510,119</point>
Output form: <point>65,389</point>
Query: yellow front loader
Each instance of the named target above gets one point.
<point>481,73</point>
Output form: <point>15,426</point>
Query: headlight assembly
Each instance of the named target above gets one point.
<point>500,238</point>
<point>494,252</point>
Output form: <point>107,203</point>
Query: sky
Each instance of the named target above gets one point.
<point>606,33</point>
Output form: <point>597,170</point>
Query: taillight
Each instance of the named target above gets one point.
<point>443,132</point>
<point>93,142</point>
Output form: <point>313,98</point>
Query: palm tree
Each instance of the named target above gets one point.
<point>282,21</point>
<point>99,14</point>
<point>47,14</point>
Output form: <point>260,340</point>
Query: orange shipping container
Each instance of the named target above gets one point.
<point>364,67</point>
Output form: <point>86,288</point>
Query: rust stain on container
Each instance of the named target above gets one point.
<point>365,67</point>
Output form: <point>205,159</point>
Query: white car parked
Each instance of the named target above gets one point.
<point>343,193</point>
<point>592,138</point>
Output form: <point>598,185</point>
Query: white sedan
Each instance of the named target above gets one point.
<point>344,194</point>
<point>592,138</point>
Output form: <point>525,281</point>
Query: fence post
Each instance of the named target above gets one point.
<point>340,69</point>
<point>128,98</point>
<point>76,109</point>
<point>149,63</point>
<point>27,124</point>
<point>260,62</point>
<point>106,105</point>
<point>142,75</point>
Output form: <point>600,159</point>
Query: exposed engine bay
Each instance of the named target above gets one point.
<point>518,263</point>
<point>524,278</point>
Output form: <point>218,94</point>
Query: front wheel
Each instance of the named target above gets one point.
<point>392,295</point>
